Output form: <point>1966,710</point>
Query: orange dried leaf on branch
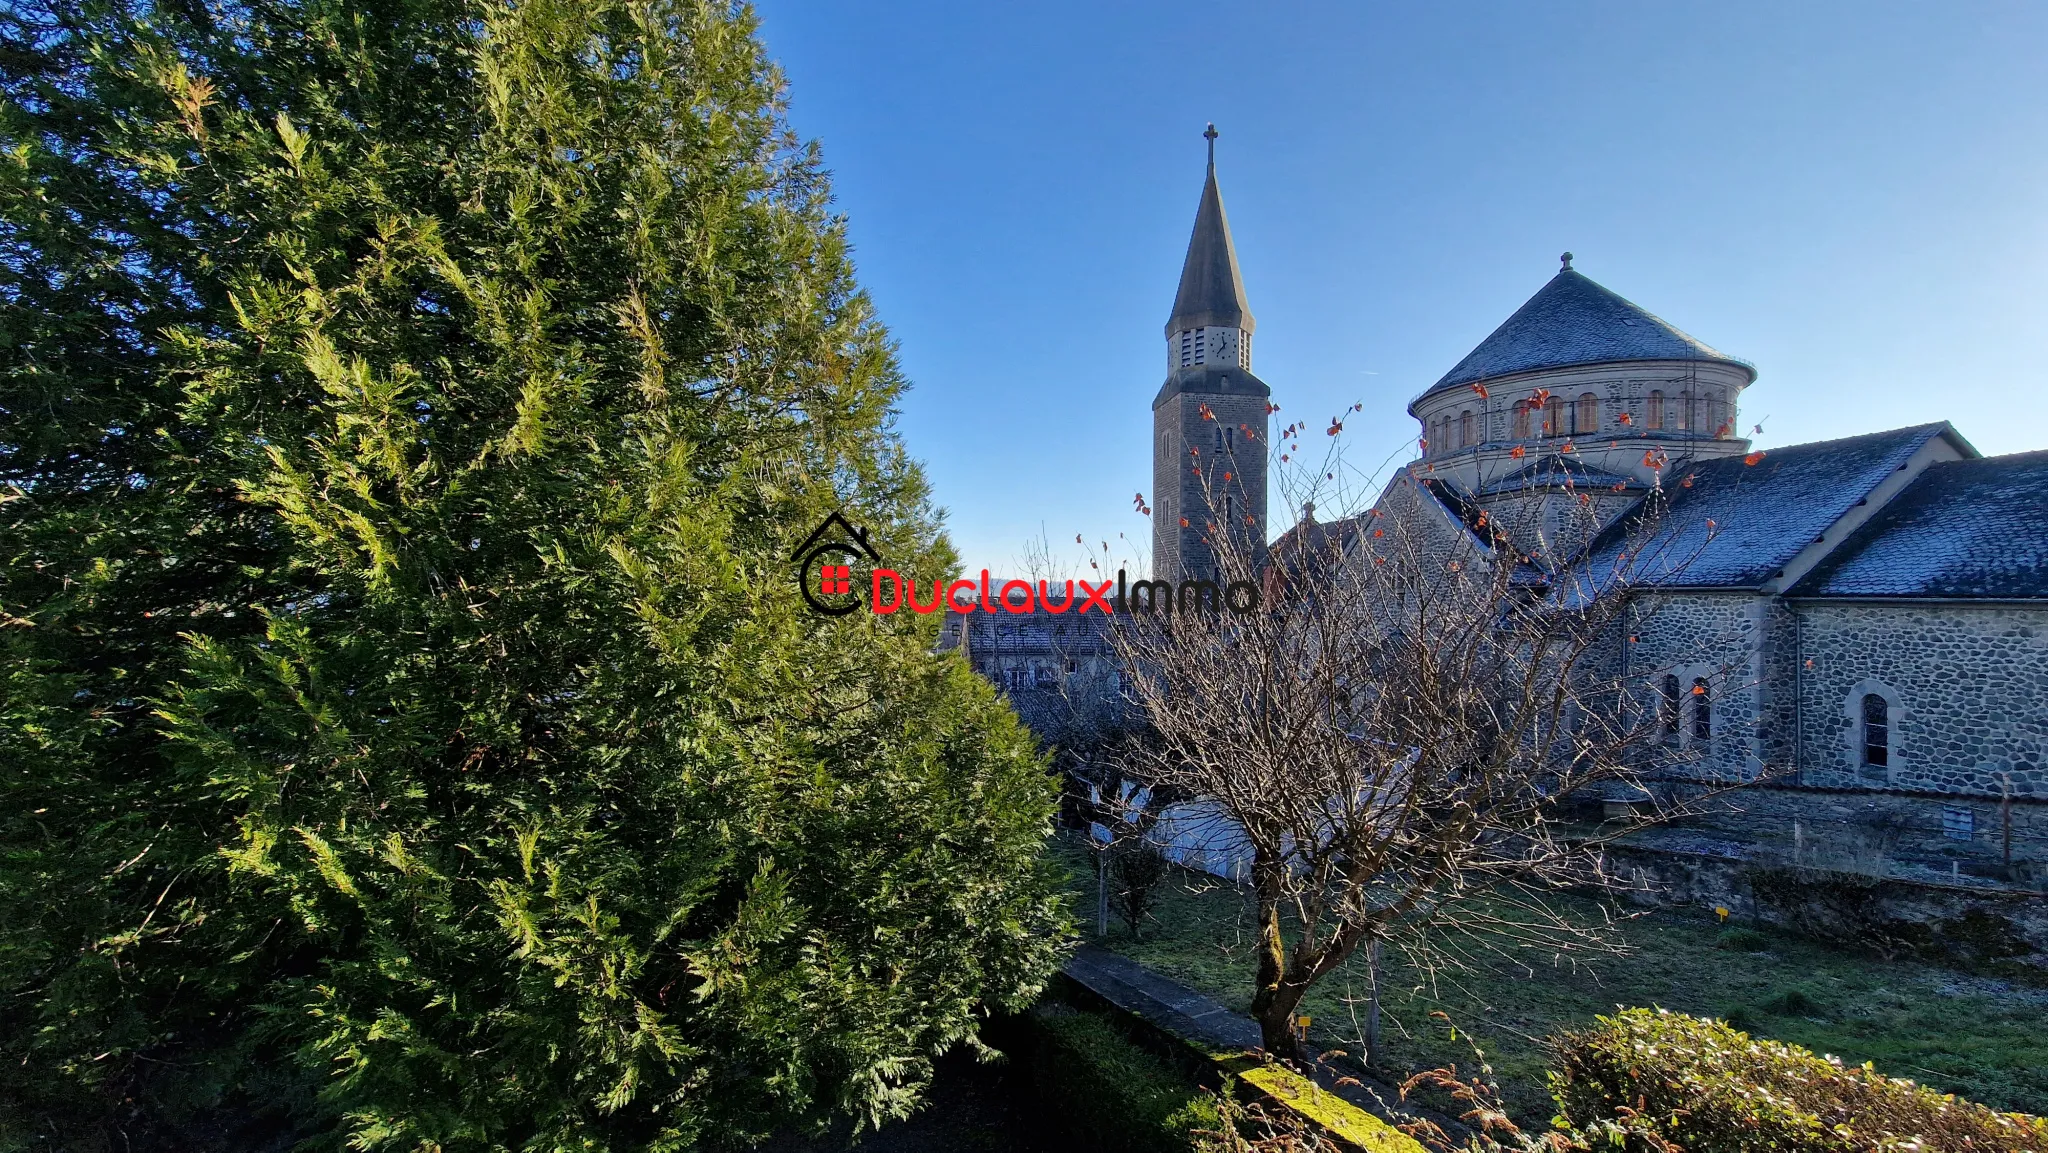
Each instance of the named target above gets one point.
<point>1480,389</point>
<point>1517,452</point>
<point>1752,459</point>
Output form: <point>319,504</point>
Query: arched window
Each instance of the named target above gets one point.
<point>1685,411</point>
<point>1586,414</point>
<point>1553,417</point>
<point>1702,711</point>
<point>1667,704</point>
<point>1468,430</point>
<point>1219,436</point>
<point>1521,420</point>
<point>1877,731</point>
<point>1655,417</point>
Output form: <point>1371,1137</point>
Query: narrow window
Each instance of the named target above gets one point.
<point>1685,411</point>
<point>1553,417</point>
<point>1521,420</point>
<point>1468,430</point>
<point>1587,419</point>
<point>1219,436</point>
<point>1702,711</point>
<point>1656,414</point>
<point>1667,704</point>
<point>1877,731</point>
<point>1230,439</point>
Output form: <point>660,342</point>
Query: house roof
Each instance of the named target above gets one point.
<point>1554,470</point>
<point>1963,528</point>
<point>1211,288</point>
<point>1570,321</point>
<point>1730,523</point>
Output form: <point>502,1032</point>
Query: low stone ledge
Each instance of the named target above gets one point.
<point>1218,1046</point>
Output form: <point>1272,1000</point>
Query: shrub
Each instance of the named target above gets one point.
<point>1793,1002</point>
<point>1646,1080</point>
<point>1108,1092</point>
<point>1742,941</point>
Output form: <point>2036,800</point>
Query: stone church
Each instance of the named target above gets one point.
<point>1881,600</point>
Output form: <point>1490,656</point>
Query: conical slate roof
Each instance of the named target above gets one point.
<point>1573,321</point>
<point>1211,288</point>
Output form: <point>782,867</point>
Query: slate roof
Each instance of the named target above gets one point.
<point>1572,321</point>
<point>1210,380</point>
<point>1553,470</point>
<point>1211,288</point>
<point>1761,515</point>
<point>1964,528</point>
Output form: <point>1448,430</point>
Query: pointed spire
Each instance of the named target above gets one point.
<point>1211,288</point>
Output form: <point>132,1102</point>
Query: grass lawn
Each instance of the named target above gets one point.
<point>1981,1038</point>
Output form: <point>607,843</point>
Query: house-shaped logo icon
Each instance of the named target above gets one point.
<point>832,566</point>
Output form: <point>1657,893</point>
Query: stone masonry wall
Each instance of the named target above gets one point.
<point>1968,687</point>
<point>1714,637</point>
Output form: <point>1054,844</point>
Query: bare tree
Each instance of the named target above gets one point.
<point>1398,726</point>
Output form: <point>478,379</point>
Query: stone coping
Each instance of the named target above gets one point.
<point>1228,1044</point>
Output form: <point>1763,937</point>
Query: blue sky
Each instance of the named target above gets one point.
<point>1852,196</point>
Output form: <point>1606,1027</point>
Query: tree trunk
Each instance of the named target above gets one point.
<point>1101,891</point>
<point>1372,1005</point>
<point>1276,998</point>
<point>1275,1014</point>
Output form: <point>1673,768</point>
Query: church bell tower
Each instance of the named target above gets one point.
<point>1209,419</point>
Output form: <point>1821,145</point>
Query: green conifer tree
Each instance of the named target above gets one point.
<point>413,734</point>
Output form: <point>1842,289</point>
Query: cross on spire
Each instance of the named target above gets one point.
<point>1210,135</point>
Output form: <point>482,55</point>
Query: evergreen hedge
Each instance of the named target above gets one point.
<point>411,734</point>
<point>1651,1080</point>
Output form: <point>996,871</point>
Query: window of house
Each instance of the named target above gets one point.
<point>1586,418</point>
<point>1685,411</point>
<point>1877,731</point>
<point>1073,665</point>
<point>1702,711</point>
<point>1553,417</point>
<point>1219,436</point>
<point>1654,418</point>
<point>1667,704</point>
<point>1468,430</point>
<point>1957,823</point>
<point>1522,420</point>
<point>1230,439</point>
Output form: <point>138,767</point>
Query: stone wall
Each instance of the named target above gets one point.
<point>1968,686</point>
<point>1933,830</point>
<point>1952,921</point>
<point>1715,637</point>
